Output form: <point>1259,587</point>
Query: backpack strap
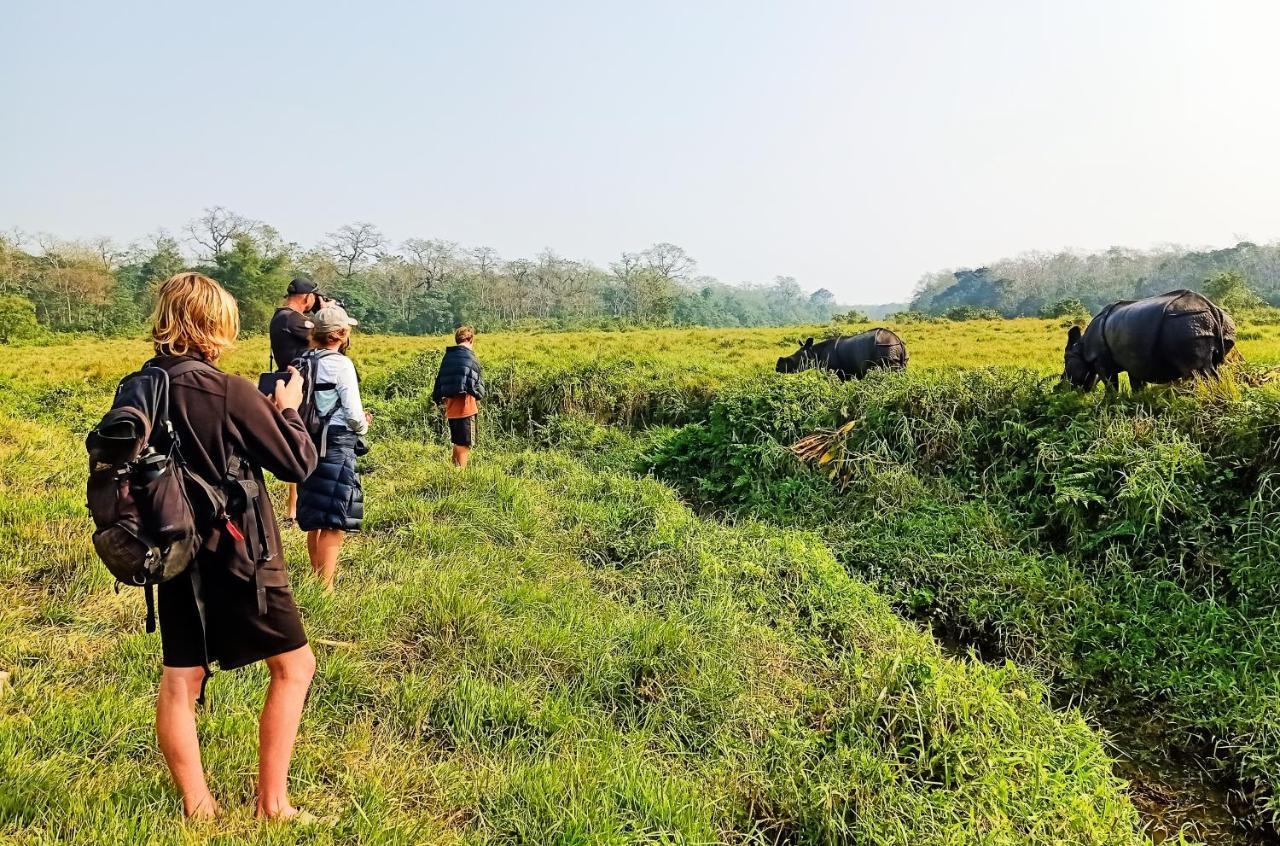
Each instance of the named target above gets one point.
<point>312,357</point>
<point>187,365</point>
<point>197,594</point>
<point>253,501</point>
<point>149,592</point>
<point>197,585</point>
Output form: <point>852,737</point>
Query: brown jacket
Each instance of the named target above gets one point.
<point>217,415</point>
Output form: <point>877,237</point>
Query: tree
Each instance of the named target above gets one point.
<point>18,319</point>
<point>256,279</point>
<point>1231,291</point>
<point>822,304</point>
<point>136,280</point>
<point>644,291</point>
<point>568,288</point>
<point>69,282</point>
<point>354,246</point>
<point>217,228</point>
<point>431,260</point>
<point>415,300</point>
<point>669,260</point>
<point>422,285</point>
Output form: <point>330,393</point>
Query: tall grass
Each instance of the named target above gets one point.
<point>1122,544</point>
<point>533,651</point>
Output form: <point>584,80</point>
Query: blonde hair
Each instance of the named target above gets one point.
<point>194,314</point>
<point>463,334</point>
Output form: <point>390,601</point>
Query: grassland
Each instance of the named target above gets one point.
<point>549,649</point>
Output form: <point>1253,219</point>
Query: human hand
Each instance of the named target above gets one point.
<point>289,391</point>
<point>368,417</point>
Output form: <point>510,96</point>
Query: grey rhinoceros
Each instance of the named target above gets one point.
<point>1155,340</point>
<point>850,356</point>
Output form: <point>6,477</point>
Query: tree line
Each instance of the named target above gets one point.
<point>416,286</point>
<point>1052,284</point>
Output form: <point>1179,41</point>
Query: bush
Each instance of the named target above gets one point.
<point>1069,308</point>
<point>908,317</point>
<point>969,312</point>
<point>1123,544</point>
<point>18,319</point>
<point>1231,291</point>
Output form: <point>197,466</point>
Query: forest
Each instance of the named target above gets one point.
<point>417,286</point>
<point>1045,284</point>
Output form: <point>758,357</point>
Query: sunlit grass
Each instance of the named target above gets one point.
<point>538,650</point>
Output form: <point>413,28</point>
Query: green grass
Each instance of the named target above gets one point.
<point>1125,546</point>
<point>540,650</point>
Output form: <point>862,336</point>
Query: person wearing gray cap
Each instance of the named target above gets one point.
<point>331,500</point>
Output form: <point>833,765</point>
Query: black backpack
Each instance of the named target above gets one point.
<point>150,512</point>
<point>317,424</point>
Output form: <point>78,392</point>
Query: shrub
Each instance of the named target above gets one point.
<point>970,312</point>
<point>18,319</point>
<point>1070,308</point>
<point>1231,291</point>
<point>1121,543</point>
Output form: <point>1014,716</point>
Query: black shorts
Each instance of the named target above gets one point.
<point>462,430</point>
<point>238,635</point>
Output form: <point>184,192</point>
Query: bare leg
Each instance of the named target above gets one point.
<point>460,456</point>
<point>179,743</point>
<point>324,548</point>
<point>291,505</point>
<point>278,728</point>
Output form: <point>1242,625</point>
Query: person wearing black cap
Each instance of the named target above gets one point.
<point>290,333</point>
<point>291,325</point>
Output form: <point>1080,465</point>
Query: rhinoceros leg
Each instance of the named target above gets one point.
<point>1136,385</point>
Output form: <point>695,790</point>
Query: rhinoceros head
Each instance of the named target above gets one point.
<point>801,359</point>
<point>1076,369</point>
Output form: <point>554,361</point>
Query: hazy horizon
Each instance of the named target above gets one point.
<point>853,146</point>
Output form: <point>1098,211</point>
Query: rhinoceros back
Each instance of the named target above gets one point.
<point>1163,338</point>
<point>891,352</point>
<point>854,355</point>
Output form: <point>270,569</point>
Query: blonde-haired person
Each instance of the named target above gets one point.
<point>228,432</point>
<point>331,500</point>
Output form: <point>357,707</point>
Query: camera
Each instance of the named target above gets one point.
<point>321,301</point>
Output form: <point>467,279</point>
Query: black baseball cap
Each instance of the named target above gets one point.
<point>302,284</point>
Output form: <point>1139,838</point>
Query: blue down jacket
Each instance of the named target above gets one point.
<point>331,497</point>
<point>460,373</point>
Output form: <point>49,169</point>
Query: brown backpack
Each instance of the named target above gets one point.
<point>150,512</point>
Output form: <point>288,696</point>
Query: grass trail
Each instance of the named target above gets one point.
<point>530,652</point>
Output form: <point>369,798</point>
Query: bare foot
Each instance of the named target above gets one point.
<point>283,812</point>
<point>200,808</point>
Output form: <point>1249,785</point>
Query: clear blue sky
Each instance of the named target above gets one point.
<point>853,145</point>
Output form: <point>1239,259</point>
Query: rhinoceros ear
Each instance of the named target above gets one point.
<point>1073,336</point>
<point>808,343</point>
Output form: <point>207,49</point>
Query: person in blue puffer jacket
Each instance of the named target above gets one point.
<point>331,500</point>
<point>460,386</point>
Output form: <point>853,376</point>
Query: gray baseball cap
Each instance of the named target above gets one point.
<point>332,317</point>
